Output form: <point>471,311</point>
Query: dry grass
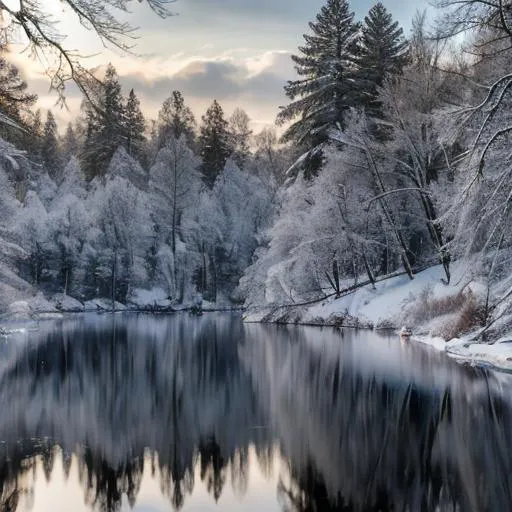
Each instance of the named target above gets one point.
<point>462,310</point>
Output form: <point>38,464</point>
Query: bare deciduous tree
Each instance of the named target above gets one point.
<point>39,28</point>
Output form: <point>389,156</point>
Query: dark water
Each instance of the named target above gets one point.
<point>163,413</point>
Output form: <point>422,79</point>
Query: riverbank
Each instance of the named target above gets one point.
<point>447,317</point>
<point>39,307</point>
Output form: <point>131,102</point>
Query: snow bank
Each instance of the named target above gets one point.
<point>150,299</point>
<point>67,304</point>
<point>103,305</point>
<point>401,301</point>
<point>497,355</point>
<point>19,310</point>
<point>382,306</point>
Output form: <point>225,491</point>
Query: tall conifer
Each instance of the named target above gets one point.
<point>134,126</point>
<point>214,142</point>
<point>327,87</point>
<point>382,53</point>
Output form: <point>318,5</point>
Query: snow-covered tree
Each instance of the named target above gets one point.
<point>283,267</point>
<point>120,238</point>
<point>245,205</point>
<point>173,190</point>
<point>134,126</point>
<point>70,222</point>
<point>328,83</point>
<point>175,119</point>
<point>214,142</point>
<point>34,227</point>
<point>70,144</point>
<point>240,136</point>
<point>104,125</point>
<point>125,166</point>
<point>382,53</point>
<point>12,254</point>
<point>50,148</point>
<point>73,181</point>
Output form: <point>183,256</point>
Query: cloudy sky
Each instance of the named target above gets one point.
<point>236,51</point>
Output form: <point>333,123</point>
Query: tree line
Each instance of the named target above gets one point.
<point>393,157</point>
<point>118,203</point>
<point>404,161</point>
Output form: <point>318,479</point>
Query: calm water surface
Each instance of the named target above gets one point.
<point>102,412</point>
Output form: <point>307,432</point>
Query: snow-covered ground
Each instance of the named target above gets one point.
<point>156,299</point>
<point>435,312</point>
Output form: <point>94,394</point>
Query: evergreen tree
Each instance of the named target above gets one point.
<point>104,133</point>
<point>327,87</point>
<point>175,120</point>
<point>50,150</point>
<point>34,142</point>
<point>134,126</point>
<point>240,136</point>
<point>70,142</point>
<point>214,141</point>
<point>382,52</point>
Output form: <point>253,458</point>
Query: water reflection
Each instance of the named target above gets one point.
<point>208,406</point>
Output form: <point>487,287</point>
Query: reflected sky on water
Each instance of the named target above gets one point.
<point>157,413</point>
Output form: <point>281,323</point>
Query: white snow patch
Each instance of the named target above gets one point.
<point>19,310</point>
<point>39,304</point>
<point>67,304</point>
<point>103,305</point>
<point>497,355</point>
<point>435,342</point>
<point>149,298</point>
<point>384,306</point>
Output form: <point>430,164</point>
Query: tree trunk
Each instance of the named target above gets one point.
<point>114,277</point>
<point>388,214</point>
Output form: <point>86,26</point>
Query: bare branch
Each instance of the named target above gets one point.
<point>44,39</point>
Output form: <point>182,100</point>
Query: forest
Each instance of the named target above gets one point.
<point>390,157</point>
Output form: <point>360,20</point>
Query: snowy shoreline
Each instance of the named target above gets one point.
<point>430,308</point>
<point>143,301</point>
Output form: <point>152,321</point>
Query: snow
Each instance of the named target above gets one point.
<point>103,305</point>
<point>497,355</point>
<point>67,304</point>
<point>379,307</point>
<point>19,310</point>
<point>390,304</point>
<point>157,296</point>
<point>39,304</point>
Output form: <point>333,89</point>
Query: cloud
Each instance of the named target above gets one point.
<point>240,78</point>
<point>254,84</point>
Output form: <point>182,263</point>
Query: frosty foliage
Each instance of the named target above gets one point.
<point>124,166</point>
<point>174,186</point>
<point>403,144</point>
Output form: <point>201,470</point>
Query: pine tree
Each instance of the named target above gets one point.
<point>70,143</point>
<point>327,66</point>
<point>50,150</point>
<point>35,137</point>
<point>175,119</point>
<point>134,126</point>
<point>105,125</point>
<point>214,141</point>
<point>382,53</point>
<point>240,136</point>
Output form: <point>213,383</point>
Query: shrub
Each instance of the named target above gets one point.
<point>463,308</point>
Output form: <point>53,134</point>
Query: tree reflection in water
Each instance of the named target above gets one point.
<point>360,423</point>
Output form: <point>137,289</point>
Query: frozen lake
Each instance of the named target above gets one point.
<point>157,413</point>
